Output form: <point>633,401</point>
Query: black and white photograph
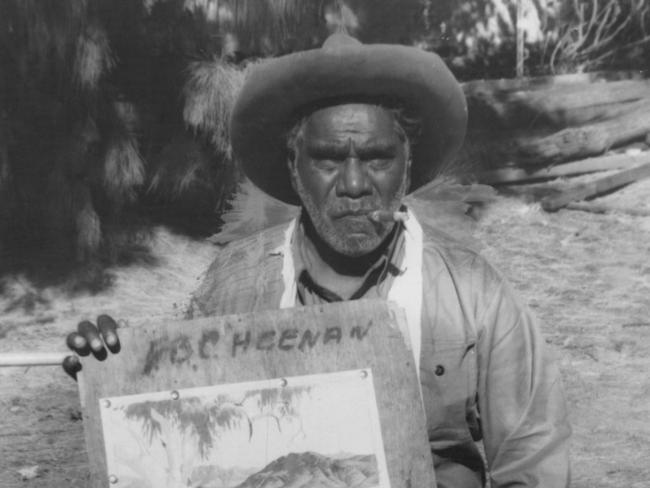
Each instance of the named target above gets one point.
<point>193,191</point>
<point>318,430</point>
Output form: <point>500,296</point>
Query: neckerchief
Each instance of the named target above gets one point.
<point>405,291</point>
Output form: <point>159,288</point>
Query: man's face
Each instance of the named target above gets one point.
<point>349,162</point>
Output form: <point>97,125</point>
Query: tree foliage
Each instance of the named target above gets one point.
<point>116,110</point>
<point>190,429</point>
<point>114,113</point>
<point>478,37</point>
<point>597,34</point>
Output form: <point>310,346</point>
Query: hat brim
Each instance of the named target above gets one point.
<point>276,90</point>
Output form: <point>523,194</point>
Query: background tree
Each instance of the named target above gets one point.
<point>114,113</point>
<point>477,37</point>
<point>602,34</point>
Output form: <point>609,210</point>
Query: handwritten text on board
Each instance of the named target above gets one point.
<point>181,349</point>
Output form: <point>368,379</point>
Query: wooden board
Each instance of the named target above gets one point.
<point>169,356</point>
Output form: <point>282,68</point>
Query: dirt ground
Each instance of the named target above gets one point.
<point>586,276</point>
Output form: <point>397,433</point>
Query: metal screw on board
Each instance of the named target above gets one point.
<point>284,382</point>
<point>175,395</point>
<point>112,479</point>
<point>106,403</point>
<point>364,374</point>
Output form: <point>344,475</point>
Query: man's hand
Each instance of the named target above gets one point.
<point>90,338</point>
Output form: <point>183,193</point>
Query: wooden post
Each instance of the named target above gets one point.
<point>520,39</point>
<point>33,358</point>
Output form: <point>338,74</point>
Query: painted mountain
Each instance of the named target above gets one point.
<point>210,476</point>
<point>311,470</point>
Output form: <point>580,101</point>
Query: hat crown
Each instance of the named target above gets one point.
<point>340,40</point>
<point>279,89</point>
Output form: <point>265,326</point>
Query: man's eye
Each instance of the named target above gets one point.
<point>326,164</point>
<point>380,164</point>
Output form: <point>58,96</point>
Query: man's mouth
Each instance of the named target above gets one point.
<point>348,213</point>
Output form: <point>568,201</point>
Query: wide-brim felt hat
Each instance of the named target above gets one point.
<point>276,92</point>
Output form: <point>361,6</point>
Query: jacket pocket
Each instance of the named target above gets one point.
<point>448,377</point>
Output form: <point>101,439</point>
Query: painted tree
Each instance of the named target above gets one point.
<point>190,429</point>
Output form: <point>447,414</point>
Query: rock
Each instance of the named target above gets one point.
<point>75,414</point>
<point>29,473</point>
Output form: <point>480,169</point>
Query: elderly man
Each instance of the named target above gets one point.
<point>347,131</point>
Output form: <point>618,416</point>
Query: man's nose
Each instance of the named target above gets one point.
<point>353,181</point>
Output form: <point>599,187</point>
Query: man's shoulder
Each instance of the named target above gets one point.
<point>449,248</point>
<point>458,258</point>
<point>255,246</point>
<point>243,271</point>
<point>456,270</point>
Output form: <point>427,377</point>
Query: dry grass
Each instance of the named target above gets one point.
<point>124,170</point>
<point>585,276</point>
<point>40,422</point>
<point>72,227</point>
<point>127,116</point>
<point>251,210</point>
<point>39,317</point>
<point>89,232</point>
<point>210,93</point>
<point>269,26</point>
<point>49,26</point>
<point>93,57</point>
<point>5,173</point>
<point>182,167</point>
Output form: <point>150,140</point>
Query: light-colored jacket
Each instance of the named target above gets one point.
<point>484,370</point>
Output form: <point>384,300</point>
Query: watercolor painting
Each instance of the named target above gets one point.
<point>319,431</point>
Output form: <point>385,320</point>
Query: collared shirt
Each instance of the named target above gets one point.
<point>484,369</point>
<point>376,281</point>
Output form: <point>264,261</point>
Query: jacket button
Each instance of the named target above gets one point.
<point>440,370</point>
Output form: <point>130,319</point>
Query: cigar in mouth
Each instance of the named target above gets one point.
<point>386,216</point>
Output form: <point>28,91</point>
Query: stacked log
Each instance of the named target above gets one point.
<point>596,187</point>
<point>515,175</point>
<point>539,123</point>
<point>528,130</point>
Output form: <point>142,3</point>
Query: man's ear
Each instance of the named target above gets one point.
<point>293,173</point>
<point>407,176</point>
